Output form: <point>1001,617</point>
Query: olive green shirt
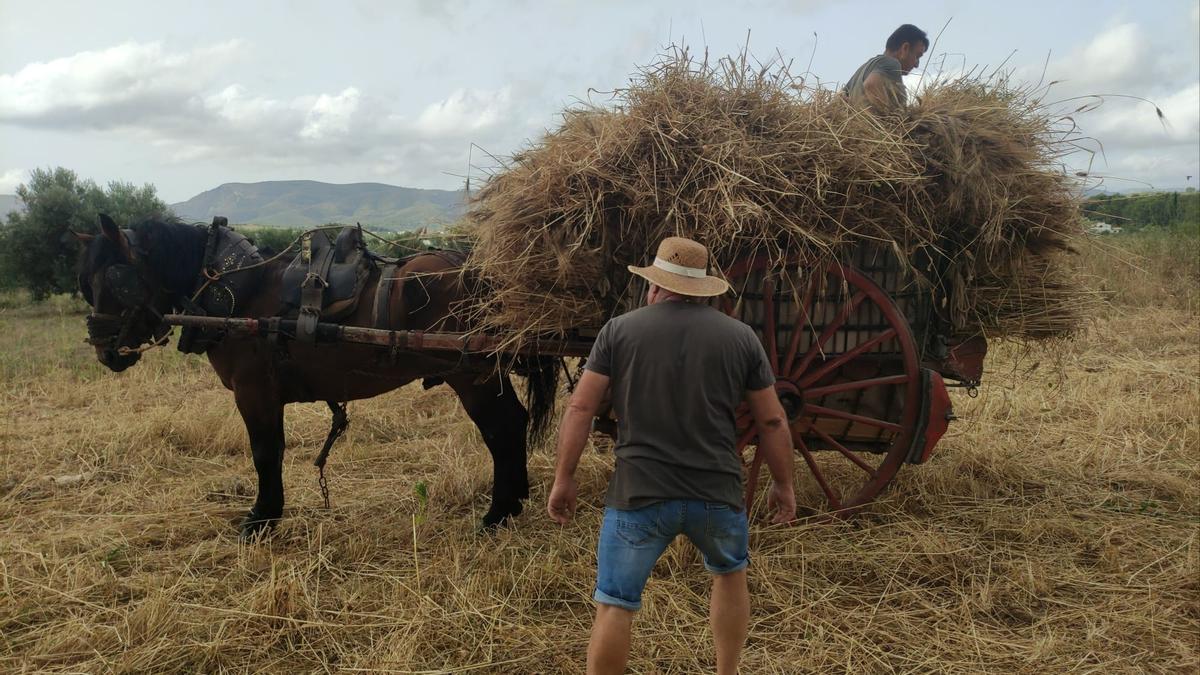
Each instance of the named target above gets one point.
<point>885,65</point>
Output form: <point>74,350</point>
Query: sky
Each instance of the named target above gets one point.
<point>421,93</point>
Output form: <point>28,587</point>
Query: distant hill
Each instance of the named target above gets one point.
<point>9,203</point>
<point>306,203</point>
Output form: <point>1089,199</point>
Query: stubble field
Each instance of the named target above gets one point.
<point>1057,528</point>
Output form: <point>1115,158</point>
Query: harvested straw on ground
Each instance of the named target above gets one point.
<point>748,161</point>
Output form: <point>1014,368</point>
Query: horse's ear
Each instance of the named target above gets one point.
<point>109,227</point>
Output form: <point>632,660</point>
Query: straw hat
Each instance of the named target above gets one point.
<point>681,266</point>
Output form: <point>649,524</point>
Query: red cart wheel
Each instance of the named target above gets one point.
<point>847,373</point>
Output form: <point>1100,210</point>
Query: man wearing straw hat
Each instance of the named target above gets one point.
<point>880,81</point>
<point>676,370</point>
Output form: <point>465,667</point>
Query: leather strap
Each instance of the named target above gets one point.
<point>381,313</point>
<point>312,292</point>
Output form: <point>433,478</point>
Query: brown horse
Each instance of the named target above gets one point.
<point>132,277</point>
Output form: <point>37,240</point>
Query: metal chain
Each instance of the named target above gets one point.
<point>324,485</point>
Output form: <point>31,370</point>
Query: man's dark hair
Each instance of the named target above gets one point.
<point>906,33</point>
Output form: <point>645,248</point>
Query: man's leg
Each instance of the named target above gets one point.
<point>722,534</point>
<point>608,650</point>
<point>630,543</point>
<point>729,616</point>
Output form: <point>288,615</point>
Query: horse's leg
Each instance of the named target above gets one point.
<point>263,416</point>
<point>502,420</point>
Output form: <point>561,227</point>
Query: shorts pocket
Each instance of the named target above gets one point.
<point>636,528</point>
<point>724,522</point>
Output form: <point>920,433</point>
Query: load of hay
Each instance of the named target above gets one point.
<point>749,161</point>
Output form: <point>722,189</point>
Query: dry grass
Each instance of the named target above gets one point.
<point>1149,268</point>
<point>1056,530</point>
<point>966,187</point>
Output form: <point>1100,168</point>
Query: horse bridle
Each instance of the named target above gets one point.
<point>132,287</point>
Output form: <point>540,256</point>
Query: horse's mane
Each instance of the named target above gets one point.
<point>175,250</point>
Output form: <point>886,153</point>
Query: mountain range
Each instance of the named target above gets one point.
<point>306,203</point>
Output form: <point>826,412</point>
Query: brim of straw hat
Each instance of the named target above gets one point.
<point>700,287</point>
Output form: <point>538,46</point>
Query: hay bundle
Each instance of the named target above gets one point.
<point>1006,212</point>
<point>733,156</point>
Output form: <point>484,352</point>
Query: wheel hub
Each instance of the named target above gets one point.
<point>789,397</point>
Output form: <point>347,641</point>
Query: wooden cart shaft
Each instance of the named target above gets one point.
<point>398,340</point>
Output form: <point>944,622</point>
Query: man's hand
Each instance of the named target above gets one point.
<point>782,501</point>
<point>572,437</point>
<point>561,504</point>
<point>775,444</point>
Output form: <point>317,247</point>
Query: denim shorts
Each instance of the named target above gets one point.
<point>632,541</point>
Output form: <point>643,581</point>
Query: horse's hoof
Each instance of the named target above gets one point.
<point>499,516</point>
<point>255,527</point>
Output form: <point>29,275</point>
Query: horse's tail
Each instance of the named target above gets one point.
<point>541,391</point>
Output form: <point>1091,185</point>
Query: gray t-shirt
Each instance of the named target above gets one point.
<point>678,371</point>
<point>885,65</point>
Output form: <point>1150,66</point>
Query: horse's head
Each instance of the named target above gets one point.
<point>127,300</point>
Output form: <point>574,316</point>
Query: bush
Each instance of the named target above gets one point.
<point>392,244</point>
<point>37,250</point>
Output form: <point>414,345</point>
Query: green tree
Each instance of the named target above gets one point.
<point>273,238</point>
<point>1174,211</point>
<point>37,250</point>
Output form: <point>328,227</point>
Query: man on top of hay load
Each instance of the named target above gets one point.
<point>676,369</point>
<point>879,82</point>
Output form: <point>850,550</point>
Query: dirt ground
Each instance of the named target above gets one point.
<point>1055,530</point>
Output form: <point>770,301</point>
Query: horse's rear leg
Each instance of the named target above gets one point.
<point>263,416</point>
<point>502,420</point>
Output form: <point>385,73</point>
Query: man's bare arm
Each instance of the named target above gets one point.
<point>577,421</point>
<point>775,442</point>
<point>572,439</point>
<point>878,91</point>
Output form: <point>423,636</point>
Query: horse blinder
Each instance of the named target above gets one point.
<point>125,285</point>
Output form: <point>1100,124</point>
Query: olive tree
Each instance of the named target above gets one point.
<point>37,251</point>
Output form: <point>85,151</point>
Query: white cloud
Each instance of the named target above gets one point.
<point>330,115</point>
<point>1136,122</point>
<point>233,107</point>
<point>177,103</point>
<point>1121,66</point>
<point>466,110</point>
<point>106,87</point>
<point>1114,56</point>
<point>1122,59</point>
<point>9,180</point>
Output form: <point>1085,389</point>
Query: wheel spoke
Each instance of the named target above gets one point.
<point>818,392</point>
<point>741,415</point>
<point>769,323</point>
<point>818,346</point>
<point>841,414</point>
<point>818,369</point>
<point>743,441</point>
<point>832,495</point>
<point>858,461</point>
<point>841,360</point>
<point>799,325</point>
<point>752,479</point>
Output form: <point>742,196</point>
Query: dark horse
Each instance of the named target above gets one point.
<point>132,277</point>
